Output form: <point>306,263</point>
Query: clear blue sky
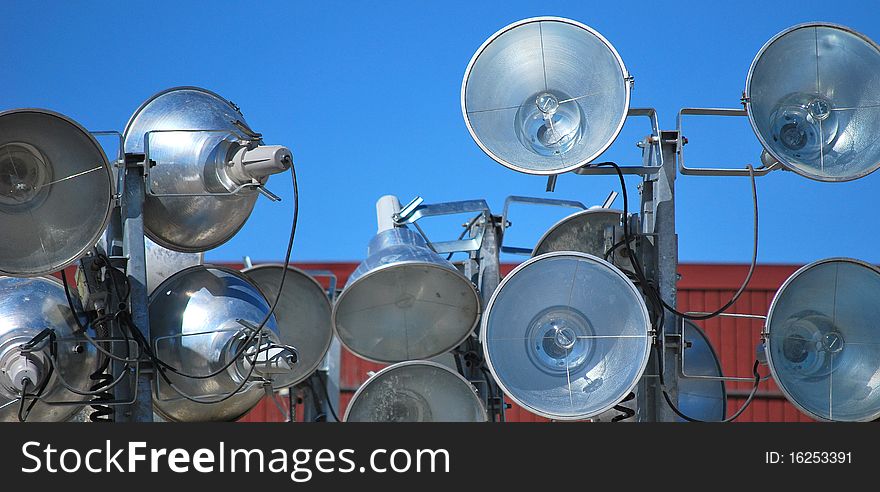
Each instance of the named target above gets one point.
<point>367,97</point>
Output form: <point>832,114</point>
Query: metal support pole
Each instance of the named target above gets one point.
<point>484,269</point>
<point>308,400</point>
<point>329,375</point>
<point>132,218</point>
<point>659,198</point>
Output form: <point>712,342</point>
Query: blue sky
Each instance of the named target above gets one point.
<point>367,97</point>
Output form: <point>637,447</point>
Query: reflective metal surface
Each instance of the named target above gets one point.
<point>194,328</point>
<point>701,399</point>
<point>823,341</point>
<point>163,262</point>
<point>56,190</point>
<point>191,162</point>
<point>416,391</point>
<point>404,302</point>
<point>302,314</point>
<point>27,306</point>
<point>566,335</point>
<point>594,231</point>
<point>814,102</point>
<point>545,95</point>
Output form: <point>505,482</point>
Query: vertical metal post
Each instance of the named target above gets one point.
<point>484,269</point>
<point>659,196</point>
<point>489,271</point>
<point>132,217</point>
<point>330,378</point>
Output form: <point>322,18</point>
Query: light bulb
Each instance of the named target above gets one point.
<point>808,342</point>
<point>550,123</point>
<point>804,126</point>
<point>23,176</point>
<point>558,339</point>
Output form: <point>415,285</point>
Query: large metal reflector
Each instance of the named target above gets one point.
<point>56,190</point>
<point>813,98</point>
<point>416,391</point>
<point>545,95</point>
<point>702,399</point>
<point>404,302</point>
<point>27,306</point>
<point>823,340</point>
<point>566,335</point>
<point>197,140</point>
<point>199,319</point>
<point>303,316</point>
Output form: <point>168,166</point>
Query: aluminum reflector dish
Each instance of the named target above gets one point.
<point>823,340</point>
<point>813,99</point>
<point>27,306</point>
<point>191,161</point>
<point>302,314</point>
<point>56,191</point>
<point>199,319</point>
<point>416,391</point>
<point>404,302</point>
<point>545,95</point>
<point>566,335</point>
<point>704,399</point>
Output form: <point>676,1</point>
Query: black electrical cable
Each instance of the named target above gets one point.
<point>67,294</point>
<point>24,413</point>
<point>162,365</point>
<point>628,240</point>
<point>101,378</point>
<point>495,394</point>
<point>652,292</point>
<point>648,289</point>
<point>625,412</point>
<point>733,417</point>
<point>748,278</point>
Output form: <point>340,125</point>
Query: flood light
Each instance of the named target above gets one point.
<point>545,95</point>
<point>822,340</point>
<point>566,335</point>
<point>814,102</point>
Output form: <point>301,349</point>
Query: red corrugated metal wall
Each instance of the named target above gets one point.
<point>703,287</point>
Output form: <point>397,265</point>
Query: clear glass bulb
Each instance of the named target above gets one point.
<point>550,123</point>
<point>808,343</point>
<point>23,176</point>
<point>557,339</point>
<point>804,126</point>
